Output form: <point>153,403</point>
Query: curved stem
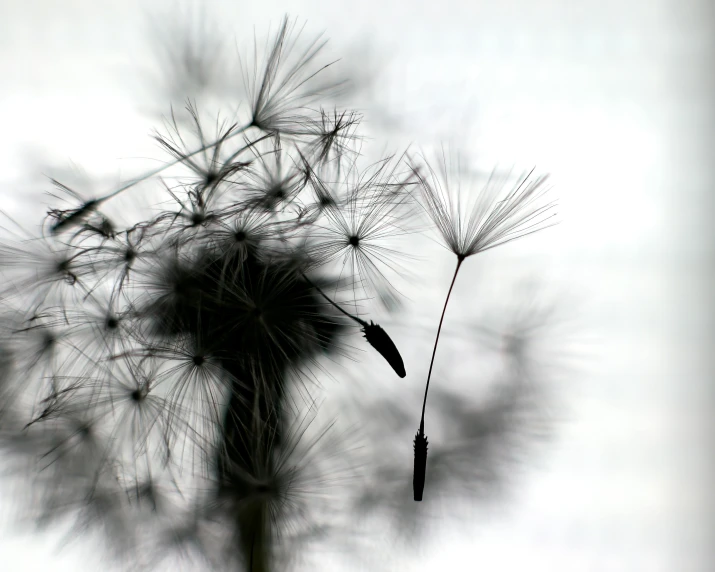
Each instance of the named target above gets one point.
<point>434,351</point>
<point>324,295</point>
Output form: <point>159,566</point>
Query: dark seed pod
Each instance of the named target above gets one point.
<point>378,339</point>
<point>418,478</point>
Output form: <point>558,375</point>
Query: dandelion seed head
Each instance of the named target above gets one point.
<point>210,178</point>
<point>504,209</point>
<point>287,83</point>
<point>84,430</point>
<point>198,218</point>
<point>48,340</point>
<point>63,265</point>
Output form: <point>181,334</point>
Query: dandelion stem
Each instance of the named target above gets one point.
<point>324,295</point>
<point>460,259</point>
<point>150,174</point>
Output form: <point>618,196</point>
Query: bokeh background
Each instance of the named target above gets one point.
<point>615,99</point>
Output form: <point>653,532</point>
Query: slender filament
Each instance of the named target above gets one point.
<point>460,259</point>
<point>324,295</point>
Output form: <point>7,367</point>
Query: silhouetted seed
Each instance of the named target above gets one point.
<point>378,339</point>
<point>375,336</point>
<point>112,323</point>
<point>420,470</point>
<point>354,241</point>
<point>74,217</point>
<point>136,395</point>
<point>198,360</point>
<point>240,236</point>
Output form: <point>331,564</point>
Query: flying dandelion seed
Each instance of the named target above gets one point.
<point>520,211</point>
<point>281,93</point>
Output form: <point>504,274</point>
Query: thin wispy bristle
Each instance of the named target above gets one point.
<point>287,85</point>
<point>472,220</point>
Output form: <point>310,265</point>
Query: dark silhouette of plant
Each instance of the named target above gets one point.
<point>156,375</point>
<point>490,223</point>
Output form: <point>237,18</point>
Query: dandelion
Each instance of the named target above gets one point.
<point>116,259</point>
<point>208,166</point>
<point>496,218</point>
<point>324,180</point>
<point>332,136</point>
<point>171,291</point>
<point>121,393</point>
<point>42,267</point>
<point>274,182</point>
<point>355,234</point>
<point>38,351</point>
<point>237,238</point>
<point>195,386</point>
<point>99,327</point>
<point>269,312</point>
<point>279,98</point>
<point>156,372</point>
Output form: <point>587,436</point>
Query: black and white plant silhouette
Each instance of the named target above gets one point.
<point>160,378</point>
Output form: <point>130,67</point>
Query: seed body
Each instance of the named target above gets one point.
<point>420,469</point>
<point>378,339</point>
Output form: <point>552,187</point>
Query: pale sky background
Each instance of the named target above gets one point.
<point>615,99</point>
